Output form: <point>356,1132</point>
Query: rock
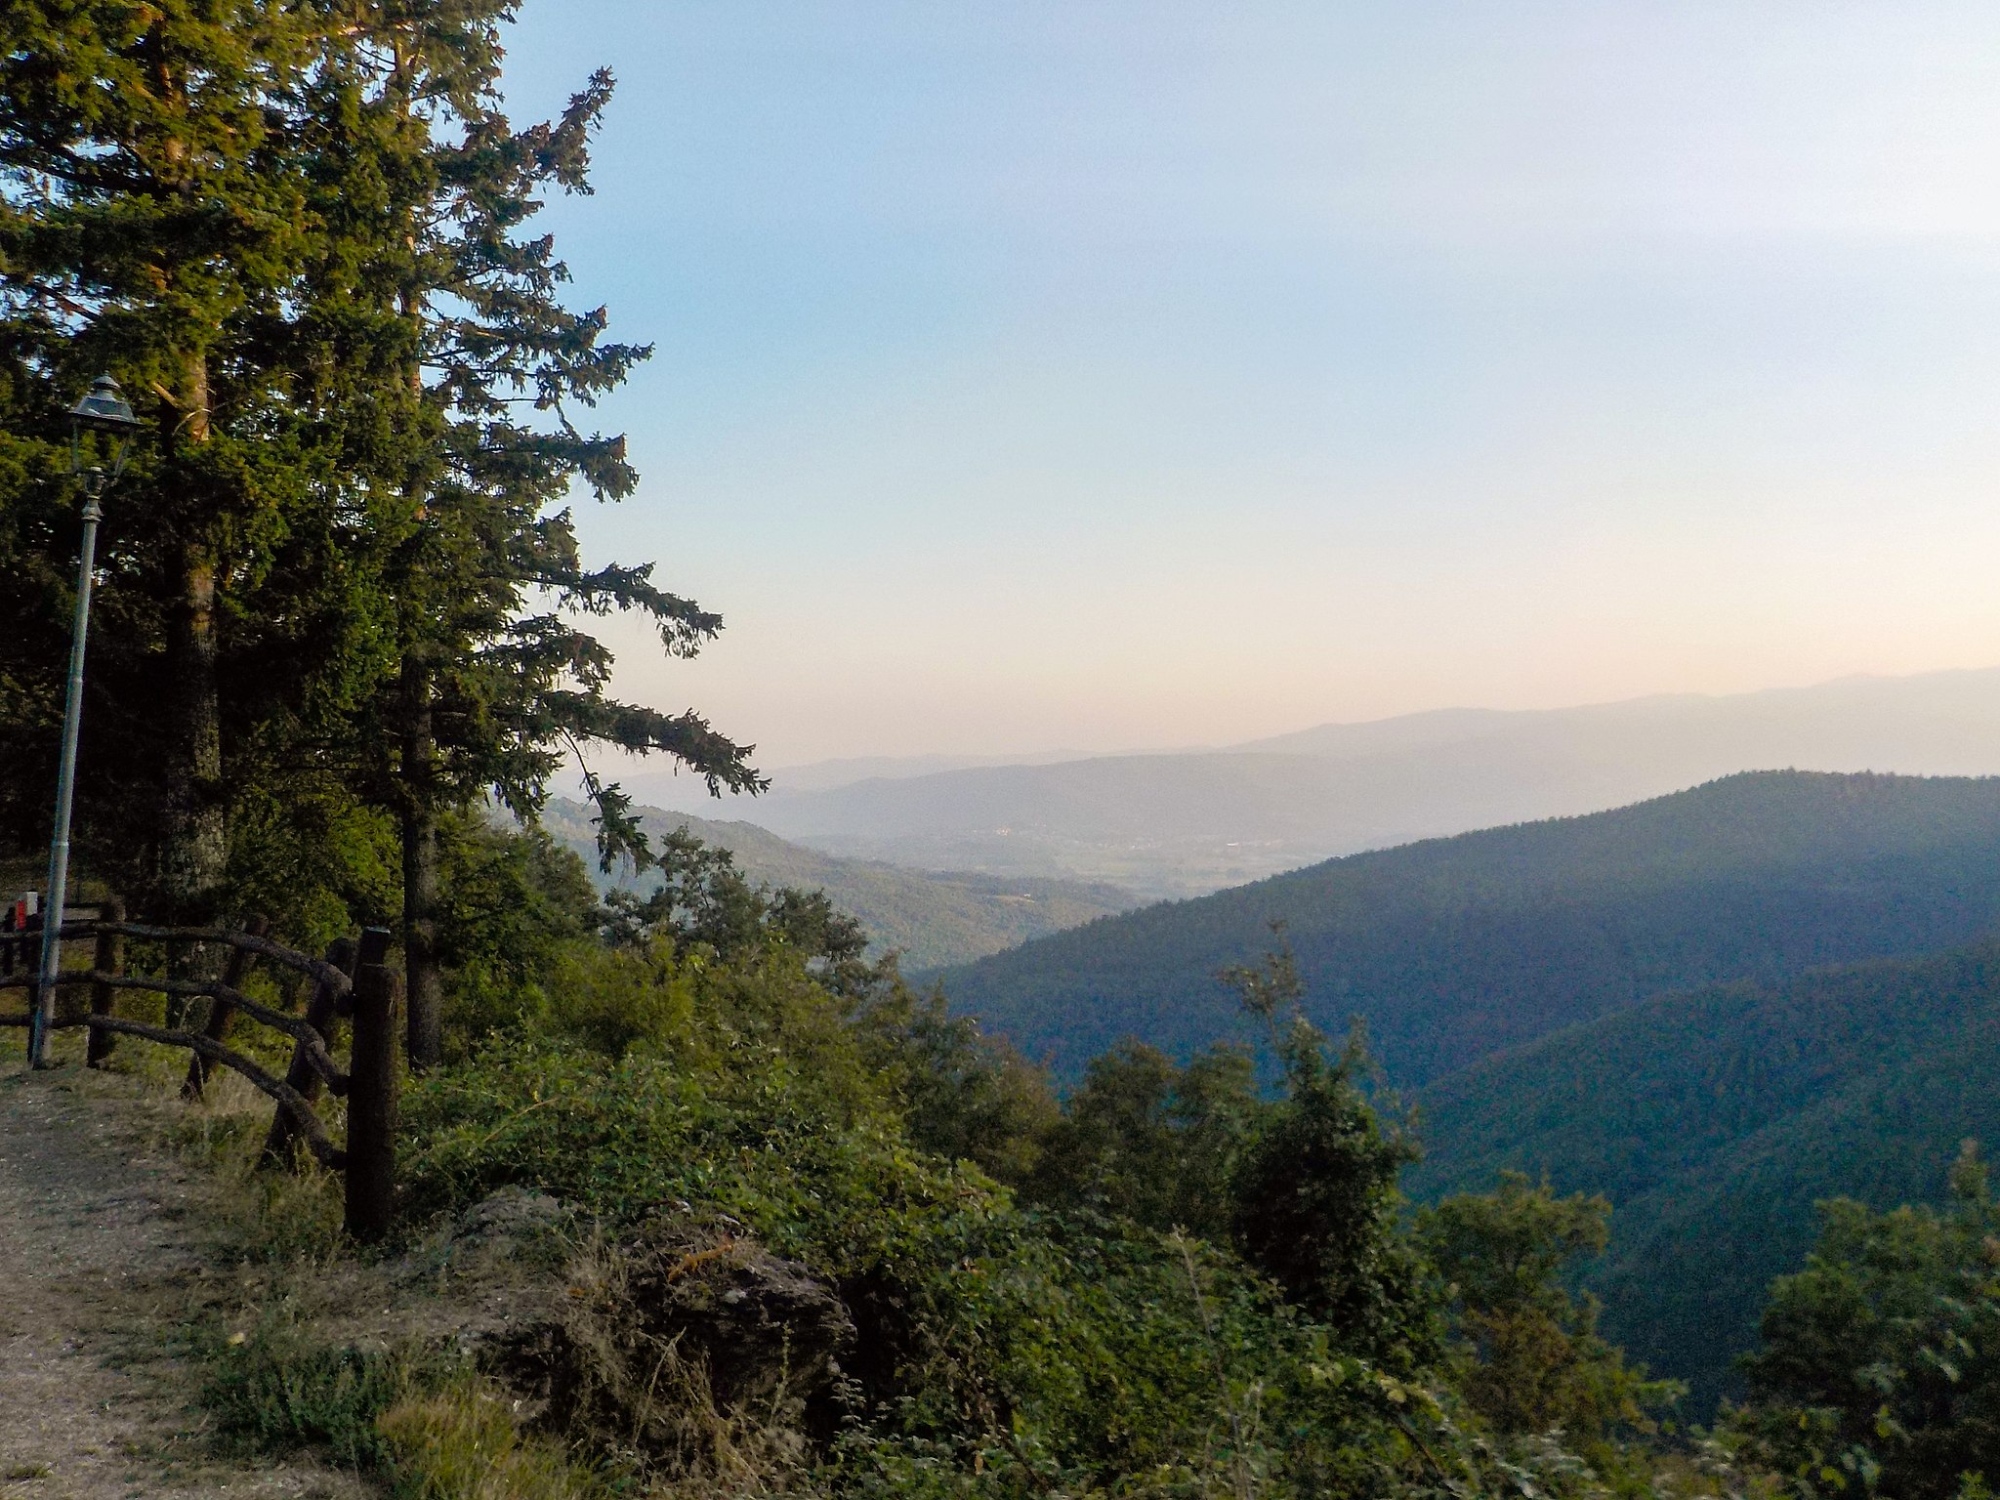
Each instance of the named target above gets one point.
<point>513,1215</point>
<point>681,1340</point>
<point>761,1324</point>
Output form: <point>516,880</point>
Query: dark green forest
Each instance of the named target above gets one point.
<point>1455,948</point>
<point>1716,1120</point>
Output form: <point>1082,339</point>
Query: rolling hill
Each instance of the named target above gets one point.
<point>1715,1120</point>
<point>931,918</point>
<point>1455,949</point>
<point>1181,824</point>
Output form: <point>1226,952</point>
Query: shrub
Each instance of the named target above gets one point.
<point>277,1392</point>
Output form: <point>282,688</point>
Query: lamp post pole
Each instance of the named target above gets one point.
<point>103,410</point>
<point>52,916</point>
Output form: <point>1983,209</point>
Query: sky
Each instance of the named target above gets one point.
<point>1136,373</point>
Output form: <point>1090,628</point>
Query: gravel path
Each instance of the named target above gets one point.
<point>98,1258</point>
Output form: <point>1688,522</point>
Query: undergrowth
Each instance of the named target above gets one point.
<point>705,1071</point>
<point>278,1391</point>
<point>464,1441</point>
<point>414,1416</point>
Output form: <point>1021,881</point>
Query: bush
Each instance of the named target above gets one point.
<point>1028,1348</point>
<point>277,1392</point>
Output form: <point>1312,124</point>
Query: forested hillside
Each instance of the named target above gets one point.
<point>930,917</point>
<point>1457,948</point>
<point>1714,1122</point>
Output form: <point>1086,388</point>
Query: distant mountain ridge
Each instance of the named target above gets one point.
<point>1715,1120</point>
<point>1186,823</point>
<point>1455,949</point>
<point>932,919</point>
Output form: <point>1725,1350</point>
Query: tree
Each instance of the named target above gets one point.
<point>1880,1366</point>
<point>965,1096</point>
<point>1531,1357</point>
<point>1152,1142</point>
<point>153,221</point>
<point>704,902</point>
<point>341,586</point>
<point>1303,1185</point>
<point>1317,1198</point>
<point>477,452</point>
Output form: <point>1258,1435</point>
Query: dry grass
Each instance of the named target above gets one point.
<point>466,1443</point>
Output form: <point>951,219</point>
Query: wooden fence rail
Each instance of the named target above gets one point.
<point>352,978</point>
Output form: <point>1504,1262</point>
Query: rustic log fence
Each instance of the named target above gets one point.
<point>352,982</point>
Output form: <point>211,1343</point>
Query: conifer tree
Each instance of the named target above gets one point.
<point>341,577</point>
<point>151,223</point>
<point>478,452</point>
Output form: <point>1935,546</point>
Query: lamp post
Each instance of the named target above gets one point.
<point>104,410</point>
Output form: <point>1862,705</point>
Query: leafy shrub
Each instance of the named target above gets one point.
<point>512,904</point>
<point>1200,1287</point>
<point>1529,1360</point>
<point>1154,1143</point>
<point>1028,1348</point>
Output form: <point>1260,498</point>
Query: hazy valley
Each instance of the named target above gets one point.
<point>932,918</point>
<point>1171,825</point>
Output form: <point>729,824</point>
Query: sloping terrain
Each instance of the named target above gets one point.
<point>1458,948</point>
<point>1715,1120</point>
<point>932,918</point>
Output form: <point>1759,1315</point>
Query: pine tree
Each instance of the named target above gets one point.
<point>478,453</point>
<point>152,223</point>
<point>341,578</point>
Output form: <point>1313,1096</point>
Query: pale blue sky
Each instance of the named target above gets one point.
<point>1142,374</point>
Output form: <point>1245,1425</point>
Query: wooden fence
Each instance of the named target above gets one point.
<point>351,983</point>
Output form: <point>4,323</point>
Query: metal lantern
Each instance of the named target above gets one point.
<point>103,409</point>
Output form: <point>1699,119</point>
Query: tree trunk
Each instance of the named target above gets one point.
<point>422,995</point>
<point>194,844</point>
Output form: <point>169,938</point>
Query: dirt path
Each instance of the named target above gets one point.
<point>99,1256</point>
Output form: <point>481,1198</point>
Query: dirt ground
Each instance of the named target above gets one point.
<point>101,1258</point>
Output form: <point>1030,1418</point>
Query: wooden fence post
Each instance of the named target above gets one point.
<point>109,959</point>
<point>281,1145</point>
<point>371,1098</point>
<point>221,1012</point>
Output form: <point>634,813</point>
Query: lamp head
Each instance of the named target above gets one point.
<point>103,409</point>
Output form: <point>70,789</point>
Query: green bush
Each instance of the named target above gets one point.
<point>278,1392</point>
<point>1194,1287</point>
<point>1028,1348</point>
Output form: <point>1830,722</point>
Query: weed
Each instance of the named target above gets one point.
<point>277,1392</point>
<point>285,1219</point>
<point>465,1443</point>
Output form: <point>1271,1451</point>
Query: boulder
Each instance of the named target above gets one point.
<point>689,1337</point>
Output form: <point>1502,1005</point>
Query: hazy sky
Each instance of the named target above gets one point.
<point>1109,375</point>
